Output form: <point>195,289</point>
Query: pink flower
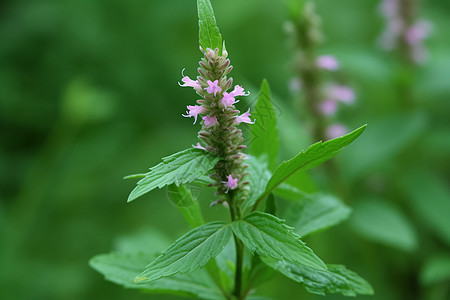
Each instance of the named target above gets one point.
<point>210,121</point>
<point>327,62</point>
<point>335,130</point>
<point>228,99</point>
<point>416,33</point>
<point>238,91</point>
<point>194,111</point>
<point>342,93</point>
<point>231,183</point>
<point>189,82</point>
<point>328,107</point>
<point>244,118</point>
<point>198,146</point>
<point>213,87</point>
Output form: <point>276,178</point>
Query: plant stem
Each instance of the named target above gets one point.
<point>239,266</point>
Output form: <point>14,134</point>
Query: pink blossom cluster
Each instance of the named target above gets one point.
<point>219,117</point>
<point>399,29</point>
<point>227,101</point>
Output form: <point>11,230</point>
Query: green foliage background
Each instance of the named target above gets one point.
<point>88,94</point>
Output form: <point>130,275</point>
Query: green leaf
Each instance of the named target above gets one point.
<point>209,35</point>
<point>315,155</point>
<point>121,268</point>
<point>182,167</point>
<point>317,212</point>
<point>190,252</point>
<point>381,221</point>
<point>429,197</point>
<point>258,176</point>
<point>267,235</point>
<point>336,280</point>
<point>264,133</point>
<point>436,270</point>
<point>182,197</point>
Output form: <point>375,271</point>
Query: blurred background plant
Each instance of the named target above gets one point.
<point>88,94</point>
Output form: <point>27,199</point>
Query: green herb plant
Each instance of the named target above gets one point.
<point>228,260</point>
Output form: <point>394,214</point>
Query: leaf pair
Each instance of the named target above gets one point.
<point>265,235</point>
<point>260,232</point>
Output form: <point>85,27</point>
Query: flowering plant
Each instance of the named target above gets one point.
<point>228,260</point>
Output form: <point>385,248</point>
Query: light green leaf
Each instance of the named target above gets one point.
<point>182,197</point>
<point>429,196</point>
<point>436,270</point>
<point>121,269</point>
<point>264,133</point>
<point>336,280</point>
<point>190,252</point>
<point>267,235</point>
<point>258,176</point>
<point>313,156</point>
<point>381,221</point>
<point>317,212</point>
<point>182,167</point>
<point>209,35</point>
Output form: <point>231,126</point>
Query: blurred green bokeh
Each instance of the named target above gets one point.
<point>89,94</point>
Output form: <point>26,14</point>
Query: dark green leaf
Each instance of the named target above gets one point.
<point>317,212</point>
<point>336,280</point>
<point>190,252</point>
<point>382,222</point>
<point>264,133</point>
<point>182,167</point>
<point>121,269</point>
<point>309,158</point>
<point>209,35</point>
<point>268,236</point>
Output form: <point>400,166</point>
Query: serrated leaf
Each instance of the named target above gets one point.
<point>190,252</point>
<point>380,221</point>
<point>258,176</point>
<point>182,167</point>
<point>317,212</point>
<point>313,156</point>
<point>268,236</point>
<point>209,35</point>
<point>336,280</point>
<point>121,268</point>
<point>264,133</point>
